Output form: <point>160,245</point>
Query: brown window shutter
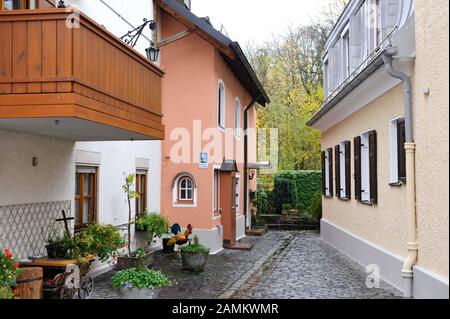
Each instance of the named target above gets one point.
<point>324,191</point>
<point>348,187</point>
<point>337,170</point>
<point>401,150</point>
<point>330,170</point>
<point>373,167</point>
<point>357,156</point>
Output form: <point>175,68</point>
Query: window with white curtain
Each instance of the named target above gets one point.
<point>237,124</point>
<point>221,105</point>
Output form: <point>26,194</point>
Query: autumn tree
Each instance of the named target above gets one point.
<point>290,68</point>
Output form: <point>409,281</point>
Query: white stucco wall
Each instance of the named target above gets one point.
<point>53,179</point>
<point>431,124</point>
<point>117,158</point>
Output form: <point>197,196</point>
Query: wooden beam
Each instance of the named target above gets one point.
<point>174,37</point>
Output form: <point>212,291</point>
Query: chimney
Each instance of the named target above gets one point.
<point>186,3</point>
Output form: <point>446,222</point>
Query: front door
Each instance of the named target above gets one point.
<point>228,205</point>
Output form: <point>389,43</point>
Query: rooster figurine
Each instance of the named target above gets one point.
<point>179,238</point>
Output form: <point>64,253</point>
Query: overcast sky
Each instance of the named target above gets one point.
<point>255,20</point>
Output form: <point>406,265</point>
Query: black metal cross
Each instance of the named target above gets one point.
<point>65,219</point>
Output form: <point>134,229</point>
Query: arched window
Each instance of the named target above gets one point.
<point>221,105</point>
<point>237,121</point>
<point>186,189</point>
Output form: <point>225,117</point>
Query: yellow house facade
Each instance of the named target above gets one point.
<point>385,139</point>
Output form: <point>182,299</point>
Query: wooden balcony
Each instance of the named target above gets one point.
<point>81,83</point>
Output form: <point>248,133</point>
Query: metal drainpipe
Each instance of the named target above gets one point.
<point>410,149</point>
<point>246,158</point>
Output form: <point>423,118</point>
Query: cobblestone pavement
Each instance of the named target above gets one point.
<point>281,265</point>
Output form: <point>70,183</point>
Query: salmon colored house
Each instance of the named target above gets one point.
<point>209,95</point>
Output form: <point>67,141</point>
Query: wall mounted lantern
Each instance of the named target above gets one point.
<point>152,52</point>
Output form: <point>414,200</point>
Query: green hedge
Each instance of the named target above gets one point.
<point>305,185</point>
<point>283,193</point>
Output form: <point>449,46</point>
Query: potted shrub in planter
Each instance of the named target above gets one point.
<point>194,256</point>
<point>101,240</point>
<point>55,242</point>
<point>140,284</point>
<point>154,224</point>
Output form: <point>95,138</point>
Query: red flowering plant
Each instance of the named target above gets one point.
<point>9,270</point>
<point>106,240</point>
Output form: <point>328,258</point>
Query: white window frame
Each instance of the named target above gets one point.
<point>238,194</point>
<point>378,31</point>
<point>342,172</point>
<point>345,47</point>
<point>237,119</point>
<point>393,176</point>
<point>327,174</point>
<point>216,186</point>
<point>186,189</point>
<point>326,76</point>
<point>365,167</point>
<point>221,105</point>
<point>176,193</point>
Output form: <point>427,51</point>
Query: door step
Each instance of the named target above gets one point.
<point>239,246</point>
<point>255,232</point>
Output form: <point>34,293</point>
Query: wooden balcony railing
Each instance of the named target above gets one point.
<point>48,68</point>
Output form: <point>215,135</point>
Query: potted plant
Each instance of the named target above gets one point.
<point>55,242</point>
<point>139,257</point>
<point>9,270</point>
<point>140,283</point>
<point>154,224</point>
<point>194,256</point>
<point>102,240</point>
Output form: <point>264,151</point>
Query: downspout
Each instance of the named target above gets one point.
<point>410,149</point>
<point>246,158</point>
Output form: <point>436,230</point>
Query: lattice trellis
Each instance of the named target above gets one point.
<point>24,228</point>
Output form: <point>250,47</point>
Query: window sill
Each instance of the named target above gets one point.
<point>398,184</point>
<point>344,199</point>
<point>184,202</point>
<point>367,202</point>
<point>328,196</point>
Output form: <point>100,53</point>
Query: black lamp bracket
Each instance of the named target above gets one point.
<point>132,36</point>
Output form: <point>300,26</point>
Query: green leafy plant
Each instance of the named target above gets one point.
<point>79,246</point>
<point>131,194</point>
<point>139,253</point>
<point>196,247</point>
<point>133,278</point>
<point>103,241</point>
<point>6,293</point>
<point>155,224</point>
<point>315,209</point>
<point>286,206</point>
<point>54,234</point>
<point>261,201</point>
<point>9,270</point>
